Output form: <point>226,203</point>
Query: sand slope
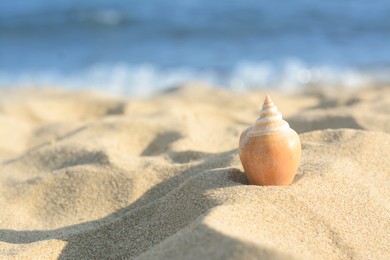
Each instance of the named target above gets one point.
<point>85,175</point>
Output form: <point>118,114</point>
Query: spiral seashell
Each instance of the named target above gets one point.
<point>270,150</point>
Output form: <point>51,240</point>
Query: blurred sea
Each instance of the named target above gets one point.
<point>139,47</point>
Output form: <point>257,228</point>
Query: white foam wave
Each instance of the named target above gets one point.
<point>145,79</point>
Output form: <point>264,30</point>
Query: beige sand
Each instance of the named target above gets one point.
<point>84,175</point>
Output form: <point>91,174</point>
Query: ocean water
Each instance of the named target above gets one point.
<point>140,47</point>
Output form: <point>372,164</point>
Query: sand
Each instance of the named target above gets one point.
<point>86,175</point>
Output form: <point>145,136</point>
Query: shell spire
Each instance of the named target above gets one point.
<point>270,119</point>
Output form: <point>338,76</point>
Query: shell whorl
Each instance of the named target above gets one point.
<point>270,119</point>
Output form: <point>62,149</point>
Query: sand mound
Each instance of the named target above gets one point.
<point>161,178</point>
<point>368,109</point>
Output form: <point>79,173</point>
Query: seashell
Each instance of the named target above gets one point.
<point>270,150</point>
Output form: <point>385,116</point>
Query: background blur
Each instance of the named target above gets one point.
<point>139,47</point>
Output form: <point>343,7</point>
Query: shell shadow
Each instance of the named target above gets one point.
<point>240,177</point>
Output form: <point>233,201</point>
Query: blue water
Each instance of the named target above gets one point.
<point>138,47</point>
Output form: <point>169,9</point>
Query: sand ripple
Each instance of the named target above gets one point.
<point>88,176</point>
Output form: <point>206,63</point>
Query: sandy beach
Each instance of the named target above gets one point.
<point>85,175</point>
